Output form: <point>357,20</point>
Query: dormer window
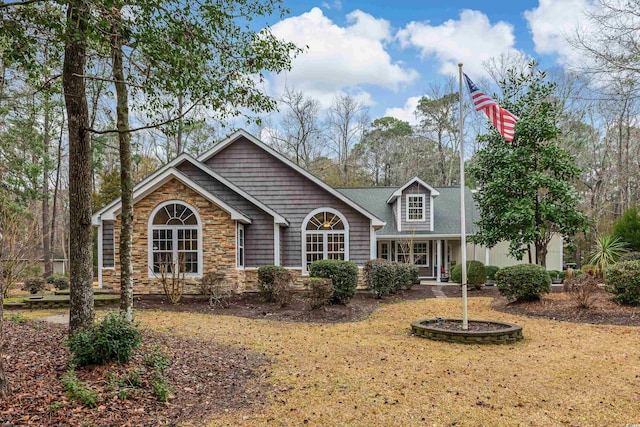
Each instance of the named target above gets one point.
<point>415,207</point>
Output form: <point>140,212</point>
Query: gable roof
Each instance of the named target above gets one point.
<point>446,211</point>
<point>398,192</point>
<point>160,177</point>
<point>375,221</point>
<point>148,186</point>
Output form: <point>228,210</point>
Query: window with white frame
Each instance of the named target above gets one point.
<point>240,246</point>
<point>175,239</point>
<point>416,207</point>
<point>421,253</point>
<point>403,252</point>
<point>325,235</point>
<point>384,250</point>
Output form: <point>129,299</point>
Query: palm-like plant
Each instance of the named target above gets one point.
<point>607,251</point>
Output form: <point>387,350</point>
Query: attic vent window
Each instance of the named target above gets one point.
<point>415,207</point>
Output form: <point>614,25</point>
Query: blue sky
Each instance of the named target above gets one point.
<point>389,53</point>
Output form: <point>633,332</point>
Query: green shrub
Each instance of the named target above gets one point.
<point>344,275</point>
<point>50,279</point>
<point>556,274</point>
<point>491,271</point>
<point>406,276</point>
<point>318,292</point>
<point>34,285</point>
<point>161,389</point>
<point>476,274</point>
<point>623,281</point>
<point>113,339</point>
<point>630,256</point>
<point>379,276</point>
<point>524,282</point>
<point>77,390</point>
<point>61,283</point>
<point>158,359</point>
<point>274,283</point>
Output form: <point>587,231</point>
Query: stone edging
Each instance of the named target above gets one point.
<point>428,328</point>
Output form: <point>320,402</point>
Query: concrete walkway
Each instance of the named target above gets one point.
<point>62,319</point>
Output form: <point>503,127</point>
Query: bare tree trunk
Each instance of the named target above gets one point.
<point>46,231</point>
<point>126,181</point>
<point>54,213</point>
<point>4,385</point>
<point>81,310</point>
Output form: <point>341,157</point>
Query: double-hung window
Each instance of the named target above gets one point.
<point>325,236</point>
<point>415,207</point>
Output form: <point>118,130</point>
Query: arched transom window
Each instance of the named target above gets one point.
<point>326,236</point>
<point>175,240</point>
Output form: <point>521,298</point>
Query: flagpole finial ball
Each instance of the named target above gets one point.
<point>460,64</point>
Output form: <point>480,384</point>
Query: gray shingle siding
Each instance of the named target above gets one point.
<point>408,226</point>
<point>108,244</point>
<point>258,235</point>
<point>291,194</point>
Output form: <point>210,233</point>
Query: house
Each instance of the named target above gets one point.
<point>242,205</point>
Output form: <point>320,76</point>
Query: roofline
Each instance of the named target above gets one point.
<point>160,179</point>
<point>420,236</point>
<point>398,192</point>
<point>375,221</point>
<point>279,219</point>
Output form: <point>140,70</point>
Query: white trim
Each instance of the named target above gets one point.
<point>373,244</point>
<point>150,186</point>
<point>431,211</point>
<point>100,255</point>
<point>399,213</point>
<point>396,194</point>
<point>424,208</point>
<point>150,227</point>
<point>244,245</point>
<point>418,236</point>
<point>438,259</point>
<point>276,244</point>
<point>303,234</point>
<point>377,222</point>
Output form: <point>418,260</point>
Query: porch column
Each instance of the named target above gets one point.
<point>486,256</point>
<point>439,262</point>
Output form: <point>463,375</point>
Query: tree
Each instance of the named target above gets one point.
<point>347,119</point>
<point>526,191</point>
<point>627,229</point>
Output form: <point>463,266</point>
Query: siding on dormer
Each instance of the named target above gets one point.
<point>409,226</point>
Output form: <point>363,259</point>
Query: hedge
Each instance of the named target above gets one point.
<point>274,283</point>
<point>476,274</point>
<point>524,282</point>
<point>623,281</point>
<point>344,275</point>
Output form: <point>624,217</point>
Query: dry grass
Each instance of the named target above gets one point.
<point>373,373</point>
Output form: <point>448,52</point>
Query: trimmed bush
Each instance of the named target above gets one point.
<point>113,339</point>
<point>406,276</point>
<point>556,274</point>
<point>318,292</point>
<point>630,256</point>
<point>344,275</point>
<point>524,282</point>
<point>34,285</point>
<point>50,279</point>
<point>476,274</point>
<point>623,281</point>
<point>491,271</point>
<point>274,283</point>
<point>380,276</point>
<point>61,283</point>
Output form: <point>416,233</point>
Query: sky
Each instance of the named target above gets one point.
<point>389,53</point>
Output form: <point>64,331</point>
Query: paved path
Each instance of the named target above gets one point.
<point>62,319</point>
<point>437,291</point>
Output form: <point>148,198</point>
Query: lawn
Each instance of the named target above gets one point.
<point>373,373</point>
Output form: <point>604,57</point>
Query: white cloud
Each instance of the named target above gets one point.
<point>555,20</point>
<point>336,4</point>
<point>407,112</point>
<point>471,40</point>
<point>340,59</point>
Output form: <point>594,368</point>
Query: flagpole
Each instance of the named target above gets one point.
<point>463,237</point>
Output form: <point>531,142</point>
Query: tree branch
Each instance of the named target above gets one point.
<point>151,126</point>
<point>20,3</point>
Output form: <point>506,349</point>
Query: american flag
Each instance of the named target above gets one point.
<point>503,120</point>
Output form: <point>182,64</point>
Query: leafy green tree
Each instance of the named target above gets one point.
<point>627,229</point>
<point>526,192</point>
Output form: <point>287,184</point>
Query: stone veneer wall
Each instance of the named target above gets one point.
<point>218,241</point>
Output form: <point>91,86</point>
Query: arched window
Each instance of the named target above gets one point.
<point>176,239</point>
<point>325,234</point>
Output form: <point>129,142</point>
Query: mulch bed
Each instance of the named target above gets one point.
<point>561,306</point>
<point>251,305</point>
<point>204,378</point>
